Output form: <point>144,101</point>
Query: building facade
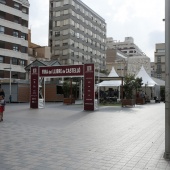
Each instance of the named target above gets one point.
<point>36,51</point>
<point>13,38</point>
<point>160,61</point>
<point>135,63</point>
<point>77,34</point>
<point>127,46</point>
<point>115,58</point>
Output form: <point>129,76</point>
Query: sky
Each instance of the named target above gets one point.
<point>140,19</point>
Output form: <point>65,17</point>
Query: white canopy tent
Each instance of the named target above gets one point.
<point>149,82</point>
<point>146,79</point>
<point>111,83</point>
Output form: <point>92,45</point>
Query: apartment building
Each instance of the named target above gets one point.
<point>127,46</point>
<point>77,34</point>
<point>13,38</point>
<point>160,61</point>
<point>36,51</point>
<point>115,58</point>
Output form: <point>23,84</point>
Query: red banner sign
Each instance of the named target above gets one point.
<point>70,70</point>
<point>89,87</point>
<point>34,87</point>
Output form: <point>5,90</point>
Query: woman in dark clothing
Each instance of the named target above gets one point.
<point>2,93</point>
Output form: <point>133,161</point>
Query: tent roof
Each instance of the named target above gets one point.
<point>146,79</point>
<point>111,83</point>
<point>113,73</point>
<point>159,81</point>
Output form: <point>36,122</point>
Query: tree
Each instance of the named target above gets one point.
<point>130,84</point>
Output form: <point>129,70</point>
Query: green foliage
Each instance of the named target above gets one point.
<point>131,84</point>
<point>66,88</point>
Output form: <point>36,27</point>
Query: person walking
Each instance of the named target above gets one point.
<point>2,106</point>
<point>2,93</point>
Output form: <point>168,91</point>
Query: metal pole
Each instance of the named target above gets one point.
<point>98,87</point>
<point>44,92</point>
<point>167,80</point>
<point>10,96</point>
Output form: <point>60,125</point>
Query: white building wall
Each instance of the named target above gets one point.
<point>15,54</point>
<point>15,40</point>
<point>135,63</point>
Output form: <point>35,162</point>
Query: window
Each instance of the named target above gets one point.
<point>2,44</point>
<point>57,43</point>
<point>57,23</point>
<point>14,61</point>
<point>78,17</point>
<point>1,73</point>
<point>65,32</point>
<point>57,52</point>
<point>73,3</point>
<point>57,14</point>
<point>3,1</point>
<point>161,51</point>
<point>2,15</point>
<point>15,75</point>
<point>23,49</point>
<point>77,25</point>
<point>16,5</point>
<point>72,43</point>
<point>77,6</point>
<point>22,76</point>
<point>2,29</point>
<point>23,36</point>
<point>24,10</point>
<point>21,62</point>
<point>78,35</point>
<point>72,32</point>
<point>159,76</point>
<point>66,2</point>
<point>24,23</point>
<point>159,59</point>
<point>16,19</point>
<point>73,13</point>
<point>72,22</point>
<point>65,42</point>
<point>15,33</point>
<point>1,59</point>
<point>76,45</point>
<point>15,47</point>
<point>66,21</point>
<point>65,52</point>
<point>57,4</point>
<point>65,12</point>
<point>72,53</point>
<point>57,34</point>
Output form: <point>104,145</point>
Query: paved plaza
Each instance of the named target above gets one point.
<point>62,137</point>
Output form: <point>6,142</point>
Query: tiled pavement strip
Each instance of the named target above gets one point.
<point>62,137</point>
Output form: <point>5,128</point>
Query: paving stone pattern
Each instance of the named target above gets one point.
<point>64,137</point>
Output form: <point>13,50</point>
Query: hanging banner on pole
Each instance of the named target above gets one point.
<point>89,87</point>
<point>34,91</point>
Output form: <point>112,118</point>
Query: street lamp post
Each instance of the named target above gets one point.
<point>167,80</point>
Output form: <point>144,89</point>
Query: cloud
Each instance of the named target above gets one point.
<point>141,19</point>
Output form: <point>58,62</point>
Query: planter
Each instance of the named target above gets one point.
<point>128,102</point>
<point>140,101</point>
<point>68,101</point>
